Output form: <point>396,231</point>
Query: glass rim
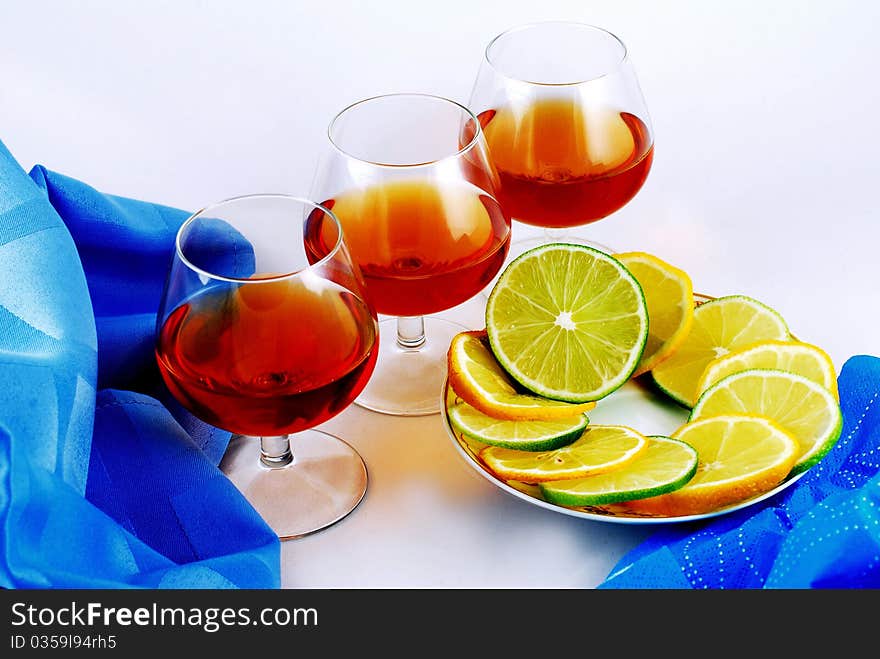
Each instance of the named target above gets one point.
<point>263,195</point>
<point>478,133</point>
<point>573,83</point>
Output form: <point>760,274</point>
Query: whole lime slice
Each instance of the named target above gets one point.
<point>567,322</point>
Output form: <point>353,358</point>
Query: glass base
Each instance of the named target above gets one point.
<point>523,245</point>
<point>326,480</point>
<point>408,381</point>
<point>518,247</point>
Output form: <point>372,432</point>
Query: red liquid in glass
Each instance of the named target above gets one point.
<point>268,358</point>
<point>421,248</point>
<point>562,165</point>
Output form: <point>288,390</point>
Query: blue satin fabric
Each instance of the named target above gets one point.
<point>822,532</point>
<point>105,481</point>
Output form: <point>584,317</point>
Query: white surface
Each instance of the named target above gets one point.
<point>764,183</point>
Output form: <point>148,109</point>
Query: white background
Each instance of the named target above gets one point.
<point>764,183</point>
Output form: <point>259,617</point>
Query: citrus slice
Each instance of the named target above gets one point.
<point>522,435</point>
<point>808,411</point>
<point>664,466</point>
<point>720,326</point>
<point>741,456</point>
<point>670,298</point>
<point>479,380</point>
<point>567,322</point>
<point>599,449</point>
<point>793,356</point>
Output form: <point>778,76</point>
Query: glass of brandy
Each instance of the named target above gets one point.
<point>409,179</point>
<point>265,335</point>
<point>566,124</point>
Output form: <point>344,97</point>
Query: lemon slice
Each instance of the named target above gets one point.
<point>670,298</point>
<point>522,435</point>
<point>567,322</point>
<point>740,457</point>
<point>479,380</point>
<point>720,326</point>
<point>793,356</point>
<point>808,411</point>
<point>664,466</point>
<point>599,449</point>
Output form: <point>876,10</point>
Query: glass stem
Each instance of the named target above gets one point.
<point>411,332</point>
<point>275,452</point>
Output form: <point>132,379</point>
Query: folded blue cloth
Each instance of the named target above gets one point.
<point>105,481</point>
<point>822,532</point>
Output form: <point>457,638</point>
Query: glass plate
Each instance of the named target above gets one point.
<point>636,404</point>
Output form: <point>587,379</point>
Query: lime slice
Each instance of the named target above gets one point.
<point>567,322</point>
<point>793,356</point>
<point>741,456</point>
<point>599,449</point>
<point>720,326</point>
<point>670,298</point>
<point>806,410</point>
<point>664,466</point>
<point>522,435</point>
<point>478,379</point>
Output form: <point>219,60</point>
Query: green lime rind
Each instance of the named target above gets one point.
<point>567,322</point>
<point>520,435</point>
<point>664,466</point>
<point>674,397</point>
<point>815,447</point>
<point>811,460</point>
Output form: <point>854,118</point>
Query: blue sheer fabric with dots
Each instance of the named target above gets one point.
<point>822,532</point>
